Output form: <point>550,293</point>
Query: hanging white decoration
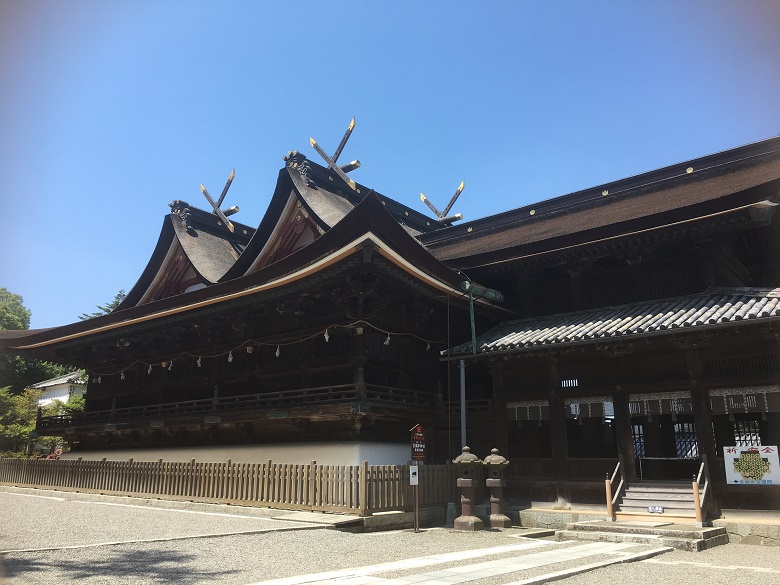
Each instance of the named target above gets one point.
<point>99,380</point>
<point>198,362</point>
<point>170,365</point>
<point>428,347</point>
<point>387,341</point>
<point>327,336</point>
<point>149,371</point>
<point>230,356</point>
<point>277,351</point>
<point>122,375</point>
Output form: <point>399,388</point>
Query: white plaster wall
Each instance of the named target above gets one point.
<point>57,393</point>
<point>352,453</point>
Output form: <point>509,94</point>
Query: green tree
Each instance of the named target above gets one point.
<point>105,309</point>
<point>13,314</point>
<point>15,371</point>
<point>18,414</point>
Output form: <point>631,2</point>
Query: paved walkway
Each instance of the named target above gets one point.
<point>523,565</point>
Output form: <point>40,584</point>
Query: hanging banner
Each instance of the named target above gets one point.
<point>752,465</point>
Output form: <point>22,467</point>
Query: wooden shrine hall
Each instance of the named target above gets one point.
<point>637,322</point>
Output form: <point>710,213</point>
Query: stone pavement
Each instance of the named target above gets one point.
<point>521,564</point>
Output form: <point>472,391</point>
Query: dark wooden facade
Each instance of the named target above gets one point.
<point>641,324</point>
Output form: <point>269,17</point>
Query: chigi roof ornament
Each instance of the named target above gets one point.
<point>222,213</point>
<point>341,171</point>
<point>442,216</point>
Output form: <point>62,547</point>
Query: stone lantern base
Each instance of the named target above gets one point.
<point>469,523</point>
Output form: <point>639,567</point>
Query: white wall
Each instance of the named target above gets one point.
<point>60,392</point>
<point>347,453</point>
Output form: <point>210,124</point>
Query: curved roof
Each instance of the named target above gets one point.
<point>368,225</point>
<point>325,199</point>
<point>193,249</point>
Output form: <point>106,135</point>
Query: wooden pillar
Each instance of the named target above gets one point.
<point>559,440</point>
<point>702,418</point>
<point>700,406</point>
<point>359,355</point>
<point>623,435</point>
<point>501,440</point>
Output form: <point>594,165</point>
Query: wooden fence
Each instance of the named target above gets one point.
<point>349,489</point>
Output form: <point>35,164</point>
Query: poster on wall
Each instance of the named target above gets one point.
<point>752,464</point>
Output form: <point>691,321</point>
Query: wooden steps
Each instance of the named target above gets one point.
<point>674,500</point>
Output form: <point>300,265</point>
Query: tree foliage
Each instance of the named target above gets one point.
<point>13,314</point>
<point>18,417</point>
<point>18,413</point>
<point>105,309</point>
<point>17,372</point>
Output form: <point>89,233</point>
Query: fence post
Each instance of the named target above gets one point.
<point>696,500</point>
<point>363,505</point>
<point>608,486</point>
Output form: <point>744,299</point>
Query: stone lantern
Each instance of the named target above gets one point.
<point>495,482</point>
<point>467,464</point>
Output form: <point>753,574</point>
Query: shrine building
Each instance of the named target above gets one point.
<point>637,321</point>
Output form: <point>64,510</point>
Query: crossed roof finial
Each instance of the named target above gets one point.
<point>222,213</point>
<point>341,171</point>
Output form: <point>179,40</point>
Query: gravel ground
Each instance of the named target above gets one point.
<point>33,521</point>
<point>58,520</point>
<point>249,558</point>
<point>731,564</point>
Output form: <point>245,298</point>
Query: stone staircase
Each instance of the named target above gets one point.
<point>654,501</point>
<point>687,537</point>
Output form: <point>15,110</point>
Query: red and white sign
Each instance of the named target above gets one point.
<point>418,443</point>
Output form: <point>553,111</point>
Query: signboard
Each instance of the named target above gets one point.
<point>414,475</point>
<point>752,465</point>
<point>418,443</point>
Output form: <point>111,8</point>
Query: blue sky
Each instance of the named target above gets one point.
<point>110,110</point>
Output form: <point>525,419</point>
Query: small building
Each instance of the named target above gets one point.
<point>61,388</point>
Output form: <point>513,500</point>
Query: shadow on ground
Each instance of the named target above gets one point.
<point>132,566</point>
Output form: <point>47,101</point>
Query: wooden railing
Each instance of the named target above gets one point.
<point>701,500</point>
<point>613,493</point>
<point>349,489</point>
<point>336,394</point>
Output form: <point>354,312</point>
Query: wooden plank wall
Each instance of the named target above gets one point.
<point>347,489</point>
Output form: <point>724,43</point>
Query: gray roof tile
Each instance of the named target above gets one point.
<point>715,306</point>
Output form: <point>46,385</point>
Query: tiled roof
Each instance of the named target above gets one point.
<point>716,306</point>
<point>76,377</point>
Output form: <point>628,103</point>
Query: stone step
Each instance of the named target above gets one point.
<point>690,532</point>
<point>647,517</point>
<point>686,544</point>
